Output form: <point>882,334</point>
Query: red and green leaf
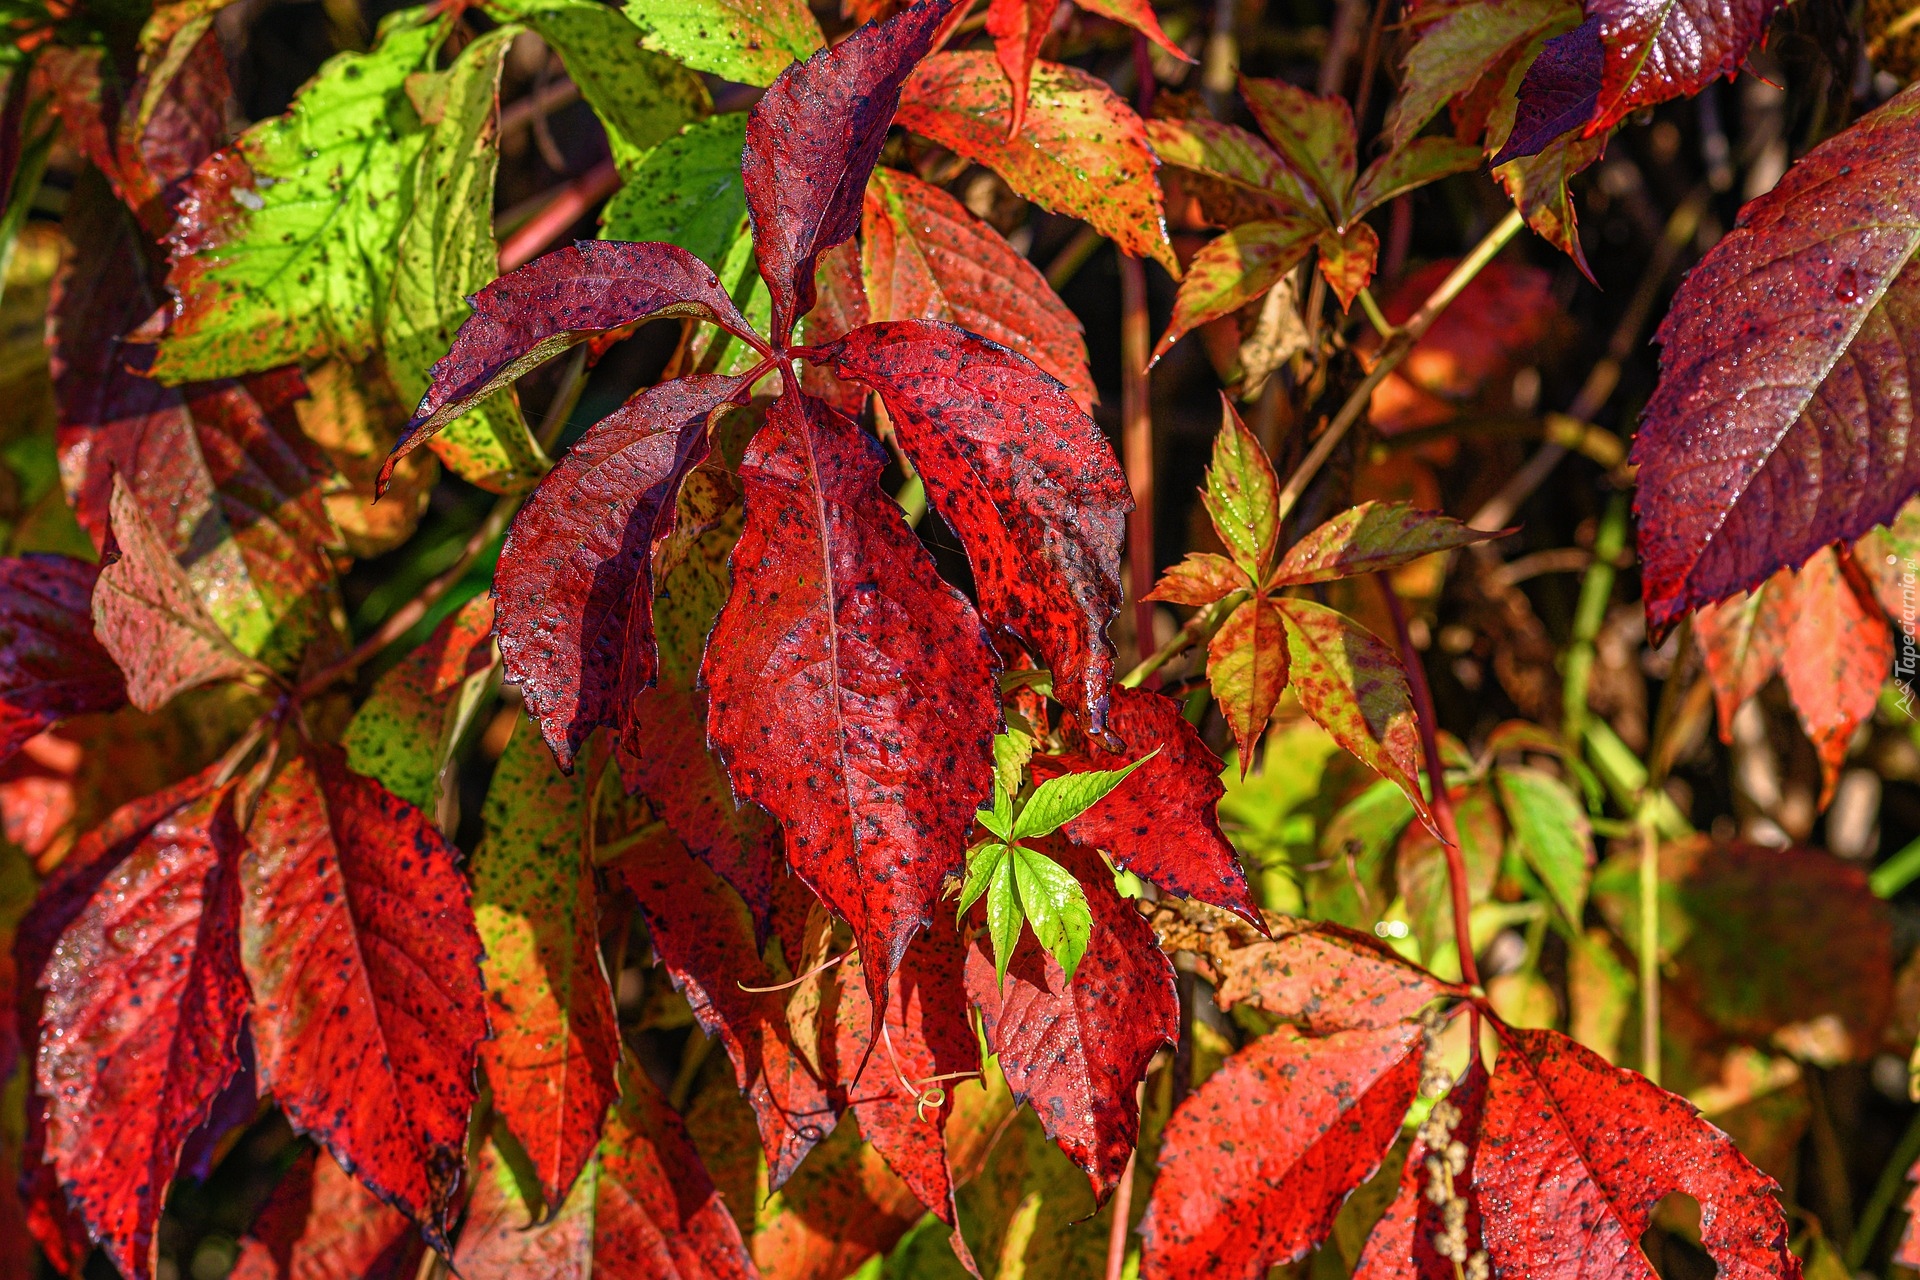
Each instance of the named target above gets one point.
<point>1370,538</point>
<point>51,667</point>
<point>1233,269</point>
<point>1247,670</point>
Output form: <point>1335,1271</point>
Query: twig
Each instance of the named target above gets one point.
<point>567,207</point>
<point>1200,626</point>
<point>1072,256</point>
<point>1596,593</point>
<point>1136,435</point>
<point>541,102</point>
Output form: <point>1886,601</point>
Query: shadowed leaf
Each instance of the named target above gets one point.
<point>51,667</point>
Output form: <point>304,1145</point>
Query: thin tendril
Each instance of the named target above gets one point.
<point>817,969</point>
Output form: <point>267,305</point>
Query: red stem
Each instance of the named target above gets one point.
<point>566,208</point>
<point>1122,1205</point>
<point>1136,437</point>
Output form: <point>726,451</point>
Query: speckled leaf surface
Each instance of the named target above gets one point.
<point>1370,538</point>
<point>641,97</point>
<point>1075,1052</point>
<point>555,1047</point>
<point>1256,1163</point>
<point>1025,478</point>
<point>1780,421</point>
<point>1314,135</point>
<point>1162,822</point>
<point>643,1207</point>
<point>685,191</point>
<point>852,691</point>
<point>1247,669</point>
<point>1230,153</point>
<point>575,581</point>
<point>840,307</point>
<point>322,1224</point>
<point>1232,270</point>
<point>925,257</point>
<point>1325,978</point>
<point>51,666</point>
<point>143,1009</point>
<point>1618,1144</point>
<point>1083,151</point>
<point>746,41</point>
<point>1401,1245</point>
<point>1200,579</point>
<point>358,940</point>
<point>1661,49</point>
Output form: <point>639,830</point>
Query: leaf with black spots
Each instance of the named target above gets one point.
<point>1325,978</point>
<point>51,667</point>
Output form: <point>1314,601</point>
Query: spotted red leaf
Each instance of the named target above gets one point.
<point>563,298</point>
<point>852,690</point>
<point>51,667</point>
<point>1617,1144</point>
<point>643,1207</point>
<point>1402,1245</point>
<point>574,588</point>
<point>812,141</point>
<point>1778,425</point>
<point>1247,669</point>
<point>358,939</point>
<point>841,308</point>
<point>704,936</point>
<point>1076,1052</point>
<point>1256,1163</point>
<point>322,1224</point>
<point>1023,476</point>
<point>144,1004</point>
<point>1161,823</point>
<point>1661,49</point>
<point>1020,27</point>
<point>1325,978</point>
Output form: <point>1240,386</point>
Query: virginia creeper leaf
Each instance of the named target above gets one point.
<point>1370,538</point>
<point>556,1043</point>
<point>1060,800</point>
<point>1324,978</point>
<point>840,307</point>
<point>1075,1052</point>
<point>924,257</point>
<point>322,1224</point>
<point>1458,50</point>
<point>1405,168</point>
<point>1538,187</point>
<point>1199,580</point>
<point>1560,92</point>
<point>1256,1163</point>
<point>1018,29</point>
<point>1083,151</point>
<point>1054,907</point>
<point>642,98</point>
<point>358,941</point>
<point>812,141</point>
<point>1247,669</point>
<point>51,667</point>
<point>144,1005</point>
<point>1550,826</point>
<point>1232,154</point>
<point>1403,1243</point>
<point>575,580</point>
<point>1773,430</point>
<point>1242,493</point>
<point>1347,259</point>
<point>1161,823</point>
<point>1022,475</point>
<point>1671,49</point>
<point>1233,269</point>
<point>685,191</point>
<point>1313,134</point>
<point>746,41</point>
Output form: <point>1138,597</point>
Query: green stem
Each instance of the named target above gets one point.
<point>1897,872</point>
<point>1885,1192</point>
<point>1649,949</point>
<point>1596,592</point>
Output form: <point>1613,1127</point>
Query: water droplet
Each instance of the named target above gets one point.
<point>1847,287</point>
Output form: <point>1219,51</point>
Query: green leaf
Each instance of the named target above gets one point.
<point>686,191</point>
<point>1242,493</point>
<point>1056,907</point>
<point>1247,669</point>
<point>713,349</point>
<point>1421,161</point>
<point>1452,55</point>
<point>1058,801</point>
<point>1234,269</point>
<point>748,41</point>
<point>1003,915</point>
<point>1553,834</point>
<point>983,860</point>
<point>282,250</point>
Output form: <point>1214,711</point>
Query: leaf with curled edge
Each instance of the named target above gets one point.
<point>1778,423</point>
<point>321,1223</point>
<point>643,1206</point>
<point>557,301</point>
<point>813,140</point>
<point>706,939</point>
<point>1670,49</point>
<point>574,586</point>
<point>1161,823</point>
<point>1537,185</point>
<point>1619,1144</point>
<point>551,1061</point>
<point>358,940</point>
<point>1257,1161</point>
<point>1076,1052</point>
<point>851,690</point>
<point>1371,537</point>
<point>1083,152</point>
<point>1023,475</point>
<point>926,258</point>
<point>139,1029</point>
<point>51,666</point>
<point>1233,269</point>
<point>1325,978</point>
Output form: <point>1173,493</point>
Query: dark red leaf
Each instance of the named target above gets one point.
<point>1018,28</point>
<point>1255,1165</point>
<point>1402,1244</point>
<point>842,308</point>
<point>1161,823</point>
<point>320,1224</point>
<point>1616,1144</point>
<point>574,587</point>
<point>1559,93</point>
<point>812,141</point>
<point>1076,1052</point>
<point>358,939</point>
<point>566,297</point>
<point>1778,423</point>
<point>853,692</point>
<point>51,666</point>
<point>1023,476</point>
<point>1325,978</point>
<point>144,1003</point>
<point>1662,49</point>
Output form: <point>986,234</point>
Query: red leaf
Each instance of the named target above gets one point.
<point>812,141</point>
<point>51,667</point>
<point>574,587</point>
<point>1247,668</point>
<point>1255,1165</point>
<point>1402,1244</point>
<point>144,1004</point>
<point>1559,93</point>
<point>644,1207</point>
<point>1325,978</point>
<point>1075,1053</point>
<point>1023,476</point>
<point>852,691</point>
<point>1670,49</point>
<point>358,939</point>
<point>566,297</point>
<point>1346,260</point>
<point>1161,822</point>
<point>1200,579</point>
<point>927,258</point>
<point>321,1224</point>
<point>1019,28</point>
<point>704,936</point>
<point>1778,423</point>
<point>1616,1144</point>
<point>841,309</point>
